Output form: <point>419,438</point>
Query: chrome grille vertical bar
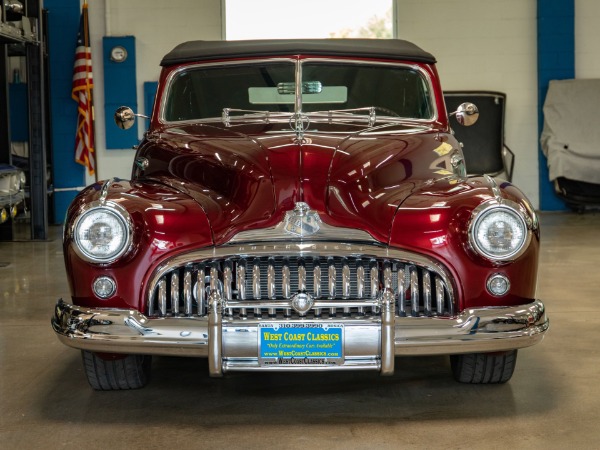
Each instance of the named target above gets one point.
<point>271,284</point>
<point>301,276</point>
<point>414,291</point>
<point>271,279</point>
<point>427,292</point>
<point>401,291</point>
<point>187,292</point>
<point>227,282</point>
<point>387,275</point>
<point>162,297</point>
<point>151,301</point>
<point>256,284</point>
<point>240,275</point>
<point>346,284</point>
<point>360,284</point>
<point>331,276</point>
<point>345,279</point>
<point>201,290</point>
<point>317,284</point>
<point>214,278</point>
<point>286,280</point>
<point>439,295</point>
<point>374,275</point>
<point>175,293</point>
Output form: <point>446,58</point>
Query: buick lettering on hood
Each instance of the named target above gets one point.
<point>300,205</point>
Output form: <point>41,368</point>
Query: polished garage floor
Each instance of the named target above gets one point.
<point>552,402</point>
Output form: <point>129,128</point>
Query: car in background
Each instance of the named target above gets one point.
<point>12,195</point>
<point>300,205</point>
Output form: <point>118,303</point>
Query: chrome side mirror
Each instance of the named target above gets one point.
<point>466,114</point>
<point>124,117</point>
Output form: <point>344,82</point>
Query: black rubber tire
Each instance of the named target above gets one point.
<point>117,373</point>
<point>484,368</point>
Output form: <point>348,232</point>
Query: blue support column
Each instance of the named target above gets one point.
<point>556,61</point>
<point>63,24</point>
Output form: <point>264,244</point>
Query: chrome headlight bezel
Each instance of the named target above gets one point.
<point>123,219</point>
<point>482,212</point>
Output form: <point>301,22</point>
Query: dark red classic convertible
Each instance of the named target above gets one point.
<point>300,205</point>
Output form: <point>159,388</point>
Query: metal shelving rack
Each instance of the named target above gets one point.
<point>25,33</point>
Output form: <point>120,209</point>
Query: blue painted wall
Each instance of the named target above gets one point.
<point>556,61</point>
<point>63,24</point>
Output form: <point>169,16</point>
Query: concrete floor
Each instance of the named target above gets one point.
<point>552,401</point>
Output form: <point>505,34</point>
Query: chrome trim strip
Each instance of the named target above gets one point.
<point>128,331</point>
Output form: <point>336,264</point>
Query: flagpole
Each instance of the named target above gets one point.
<point>87,44</point>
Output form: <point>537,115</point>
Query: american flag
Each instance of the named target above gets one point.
<point>83,85</point>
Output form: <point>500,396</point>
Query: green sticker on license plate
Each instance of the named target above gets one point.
<point>310,344</point>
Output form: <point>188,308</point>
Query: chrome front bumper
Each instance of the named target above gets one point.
<point>369,343</point>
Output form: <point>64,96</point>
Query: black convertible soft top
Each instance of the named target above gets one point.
<point>367,48</point>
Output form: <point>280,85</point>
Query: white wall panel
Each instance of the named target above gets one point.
<point>587,39</point>
<point>486,45</point>
<point>157,27</point>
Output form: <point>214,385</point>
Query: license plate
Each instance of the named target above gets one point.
<point>301,344</point>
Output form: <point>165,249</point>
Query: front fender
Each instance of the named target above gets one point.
<point>163,221</point>
<point>434,221</point>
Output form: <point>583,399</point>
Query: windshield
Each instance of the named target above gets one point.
<point>393,90</point>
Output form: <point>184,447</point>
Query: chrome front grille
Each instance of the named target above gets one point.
<point>261,284</point>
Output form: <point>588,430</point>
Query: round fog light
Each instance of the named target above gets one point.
<point>104,287</point>
<point>498,284</point>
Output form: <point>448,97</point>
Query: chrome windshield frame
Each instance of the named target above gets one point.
<point>298,112</point>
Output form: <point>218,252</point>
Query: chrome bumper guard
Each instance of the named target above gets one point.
<point>369,343</point>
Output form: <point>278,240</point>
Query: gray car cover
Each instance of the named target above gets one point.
<point>571,135</point>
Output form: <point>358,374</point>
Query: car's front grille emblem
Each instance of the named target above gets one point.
<point>302,221</point>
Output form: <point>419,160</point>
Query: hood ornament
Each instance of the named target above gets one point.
<point>301,221</point>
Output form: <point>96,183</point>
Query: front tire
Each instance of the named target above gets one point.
<point>116,372</point>
<point>484,368</point>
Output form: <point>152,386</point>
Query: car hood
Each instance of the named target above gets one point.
<point>246,177</point>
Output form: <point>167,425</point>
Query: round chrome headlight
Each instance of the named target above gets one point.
<point>102,234</point>
<point>498,232</point>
